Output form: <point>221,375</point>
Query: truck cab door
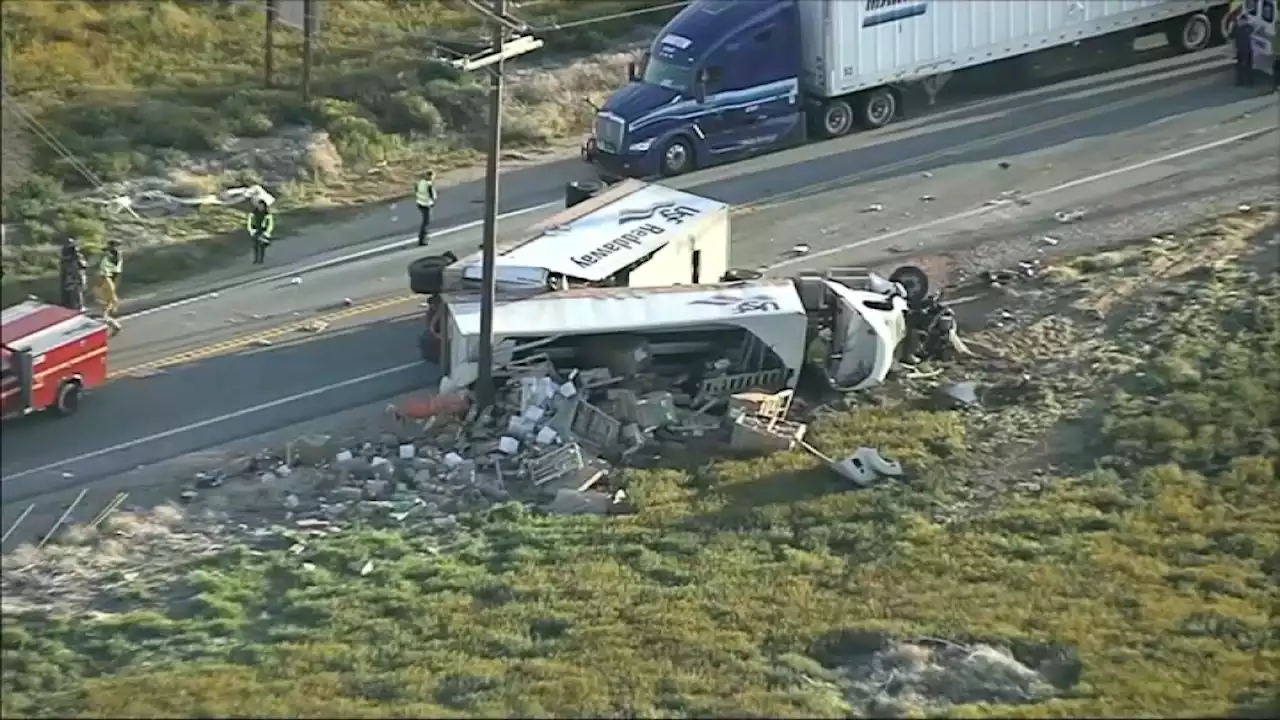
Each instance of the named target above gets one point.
<point>718,120</point>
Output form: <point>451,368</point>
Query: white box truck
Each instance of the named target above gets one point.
<point>633,235</point>
<point>724,80</point>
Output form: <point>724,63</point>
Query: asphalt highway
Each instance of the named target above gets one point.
<point>268,354</point>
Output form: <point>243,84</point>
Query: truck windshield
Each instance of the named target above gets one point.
<point>668,75</point>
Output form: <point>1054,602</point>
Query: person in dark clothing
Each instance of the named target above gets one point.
<point>72,271</point>
<point>1244,53</point>
<point>262,222</point>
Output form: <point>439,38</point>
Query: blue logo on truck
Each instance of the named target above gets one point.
<point>879,12</point>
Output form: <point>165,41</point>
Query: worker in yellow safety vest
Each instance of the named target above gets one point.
<point>109,269</point>
<point>261,223</point>
<point>424,194</point>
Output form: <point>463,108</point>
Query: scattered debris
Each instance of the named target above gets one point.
<point>874,207</point>
<point>1068,216</point>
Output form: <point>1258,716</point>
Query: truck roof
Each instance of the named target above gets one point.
<point>595,239</point>
<point>40,327</point>
<point>609,310</point>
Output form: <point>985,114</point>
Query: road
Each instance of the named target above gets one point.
<point>241,363</point>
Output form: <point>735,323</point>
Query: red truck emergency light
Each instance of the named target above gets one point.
<point>50,356</point>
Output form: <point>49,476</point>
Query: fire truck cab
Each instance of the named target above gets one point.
<point>49,357</point>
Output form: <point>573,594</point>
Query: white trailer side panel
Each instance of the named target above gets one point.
<point>850,45</point>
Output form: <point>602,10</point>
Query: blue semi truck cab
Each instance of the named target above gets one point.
<point>728,79</point>
<point>720,81</point>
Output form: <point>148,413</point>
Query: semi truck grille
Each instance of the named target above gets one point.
<point>609,131</point>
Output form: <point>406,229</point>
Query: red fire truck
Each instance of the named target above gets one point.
<point>51,356</point>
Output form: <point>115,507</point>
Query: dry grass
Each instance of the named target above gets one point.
<point>161,88</point>
<point>1099,539</point>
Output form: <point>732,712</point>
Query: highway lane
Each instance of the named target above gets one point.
<point>138,421</point>
<point>1045,118</point>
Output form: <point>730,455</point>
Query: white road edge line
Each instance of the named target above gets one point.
<point>831,251</point>
<point>216,420</point>
<point>342,259</point>
<point>1149,162</point>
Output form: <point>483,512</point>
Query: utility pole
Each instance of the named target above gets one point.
<point>484,384</point>
<point>269,49</point>
<point>308,30</point>
<point>502,48</point>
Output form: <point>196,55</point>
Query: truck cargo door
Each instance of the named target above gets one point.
<point>1261,14</point>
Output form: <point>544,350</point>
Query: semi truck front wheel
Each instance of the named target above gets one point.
<point>677,157</point>
<point>1190,33</point>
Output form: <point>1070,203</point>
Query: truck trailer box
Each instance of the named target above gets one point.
<point>849,46</point>
<point>635,234</point>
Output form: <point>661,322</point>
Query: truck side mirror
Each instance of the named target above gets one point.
<point>631,71</point>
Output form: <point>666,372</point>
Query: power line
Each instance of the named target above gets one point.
<point>51,140</point>
<point>606,18</point>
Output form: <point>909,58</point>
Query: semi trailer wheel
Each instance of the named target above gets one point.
<point>1190,33</point>
<point>426,274</point>
<point>877,108</point>
<point>69,395</point>
<point>1224,25</point>
<point>836,119</point>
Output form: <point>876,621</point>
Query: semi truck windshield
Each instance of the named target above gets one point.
<point>668,75</point>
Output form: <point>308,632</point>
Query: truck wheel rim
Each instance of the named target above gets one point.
<point>676,156</point>
<point>881,109</point>
<point>838,119</point>
<point>1195,33</point>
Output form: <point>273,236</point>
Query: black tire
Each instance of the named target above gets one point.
<point>580,191</point>
<point>914,280</point>
<point>836,119</point>
<point>70,393</point>
<point>740,275</point>
<point>677,157</point>
<point>1190,33</point>
<point>1224,25</point>
<point>426,274</point>
<point>877,108</point>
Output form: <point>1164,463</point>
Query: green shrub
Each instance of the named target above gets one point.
<point>407,112</point>
<point>36,196</point>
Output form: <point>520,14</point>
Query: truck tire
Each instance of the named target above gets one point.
<point>1190,33</point>
<point>580,191</point>
<point>836,119</point>
<point>740,275</point>
<point>70,392</point>
<point>877,108</point>
<point>1224,25</point>
<point>914,280</point>
<point>426,274</point>
<point>677,157</point>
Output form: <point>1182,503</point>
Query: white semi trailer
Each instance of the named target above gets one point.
<point>724,80</point>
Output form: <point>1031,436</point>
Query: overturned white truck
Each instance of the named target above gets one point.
<point>634,235</point>
<point>720,338</point>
